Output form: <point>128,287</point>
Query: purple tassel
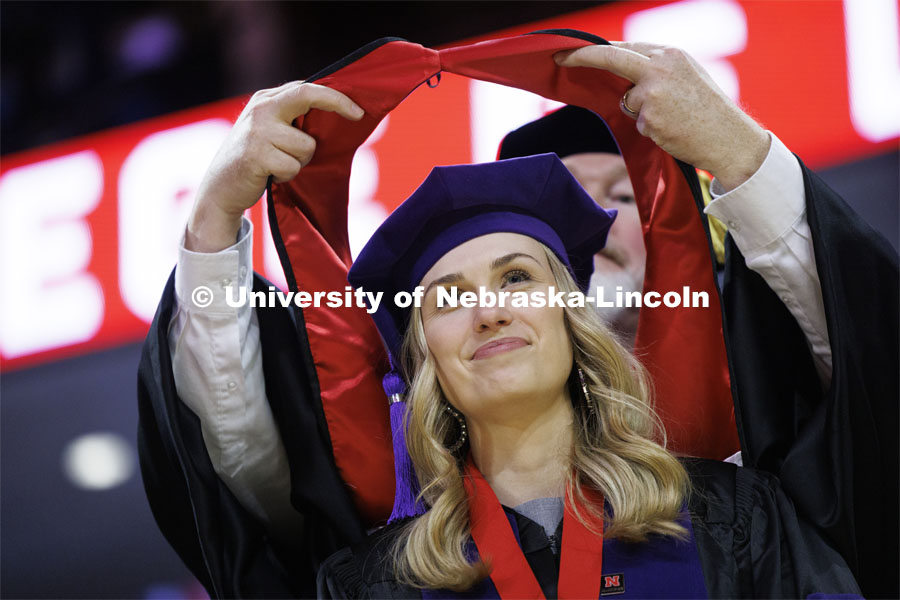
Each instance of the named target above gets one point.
<point>392,383</point>
<point>407,485</point>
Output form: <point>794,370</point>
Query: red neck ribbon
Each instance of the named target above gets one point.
<point>582,550</point>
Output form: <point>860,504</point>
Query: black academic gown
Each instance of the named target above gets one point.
<point>835,451</point>
<point>750,542</point>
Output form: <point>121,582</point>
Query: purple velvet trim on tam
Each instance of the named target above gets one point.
<point>484,224</point>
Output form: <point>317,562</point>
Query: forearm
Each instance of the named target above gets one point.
<point>766,217</point>
<point>217,363</point>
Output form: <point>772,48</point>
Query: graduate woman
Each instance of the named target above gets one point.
<point>531,429</point>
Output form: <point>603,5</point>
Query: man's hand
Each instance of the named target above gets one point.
<point>680,108</point>
<point>262,142</point>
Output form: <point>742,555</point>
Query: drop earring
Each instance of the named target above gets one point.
<point>463,430</point>
<point>588,399</point>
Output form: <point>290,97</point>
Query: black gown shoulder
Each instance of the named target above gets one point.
<point>750,541</point>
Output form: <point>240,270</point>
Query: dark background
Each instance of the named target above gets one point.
<point>73,68</point>
<point>70,68</point>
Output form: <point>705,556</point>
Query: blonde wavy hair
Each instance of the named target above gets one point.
<point>618,450</point>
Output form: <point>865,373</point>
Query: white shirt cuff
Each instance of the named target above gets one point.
<point>216,271</point>
<point>771,200</point>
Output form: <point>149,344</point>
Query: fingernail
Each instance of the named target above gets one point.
<point>357,111</point>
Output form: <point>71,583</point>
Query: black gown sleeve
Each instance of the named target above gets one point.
<point>835,451</point>
<point>365,570</point>
<point>752,543</point>
<point>226,548</point>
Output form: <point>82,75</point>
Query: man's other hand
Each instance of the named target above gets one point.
<point>677,105</point>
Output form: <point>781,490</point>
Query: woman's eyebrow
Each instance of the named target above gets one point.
<point>451,278</point>
<point>508,258</point>
<point>495,264</point>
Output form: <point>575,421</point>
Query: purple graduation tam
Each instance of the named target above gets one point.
<point>569,130</point>
<point>534,196</point>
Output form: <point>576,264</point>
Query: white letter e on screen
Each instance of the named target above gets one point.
<point>47,298</point>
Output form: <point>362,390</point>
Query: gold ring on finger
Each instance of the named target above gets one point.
<point>627,108</point>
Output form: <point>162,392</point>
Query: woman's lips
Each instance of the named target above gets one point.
<point>500,346</point>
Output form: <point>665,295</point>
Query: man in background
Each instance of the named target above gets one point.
<point>586,147</point>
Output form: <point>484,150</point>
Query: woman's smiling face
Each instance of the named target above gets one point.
<point>487,357</point>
